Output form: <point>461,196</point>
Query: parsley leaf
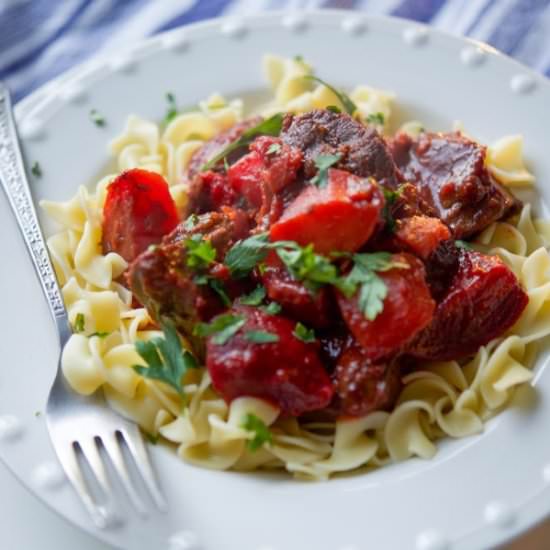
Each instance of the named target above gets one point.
<point>165,358</point>
<point>261,337</point>
<point>223,327</point>
<point>298,58</point>
<point>243,256</point>
<point>255,298</point>
<point>344,99</point>
<point>390,199</point>
<point>272,308</point>
<point>153,439</point>
<point>200,252</point>
<point>463,244</point>
<point>172,109</point>
<point>96,118</point>
<point>376,118</point>
<point>258,428</point>
<point>363,278</point>
<point>79,323</point>
<point>273,149</point>
<point>100,334</point>
<point>191,221</point>
<point>334,109</point>
<point>269,127</point>
<point>323,163</point>
<point>36,170</point>
<point>303,264</point>
<point>217,286</point>
<point>303,333</point>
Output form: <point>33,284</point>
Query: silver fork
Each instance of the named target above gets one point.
<point>81,428</point>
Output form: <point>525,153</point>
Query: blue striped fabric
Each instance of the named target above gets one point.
<point>40,39</point>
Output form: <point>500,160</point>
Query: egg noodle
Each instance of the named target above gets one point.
<point>437,400</point>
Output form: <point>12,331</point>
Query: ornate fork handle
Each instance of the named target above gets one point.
<point>15,184</point>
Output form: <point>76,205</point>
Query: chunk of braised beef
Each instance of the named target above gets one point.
<point>341,215</point>
<point>315,308</point>
<point>138,212</point>
<point>287,372</point>
<point>484,300</point>
<point>450,175</point>
<point>215,145</point>
<point>362,386</point>
<point>209,191</point>
<point>321,132</point>
<point>441,267</point>
<point>163,282</point>
<point>408,308</point>
<point>333,341</point>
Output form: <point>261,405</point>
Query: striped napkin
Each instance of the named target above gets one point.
<point>40,39</point>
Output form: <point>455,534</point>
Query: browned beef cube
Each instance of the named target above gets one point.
<point>364,152</point>
<point>450,175</point>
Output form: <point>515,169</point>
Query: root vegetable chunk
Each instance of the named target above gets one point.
<point>408,308</point>
<point>286,372</point>
<point>341,215</point>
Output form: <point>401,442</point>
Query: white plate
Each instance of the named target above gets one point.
<point>478,491</point>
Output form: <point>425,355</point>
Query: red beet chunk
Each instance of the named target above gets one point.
<point>361,386</point>
<point>450,175</point>
<point>484,300</point>
<point>311,307</point>
<point>408,308</point>
<point>287,372</point>
<point>421,235</point>
<point>138,212</point>
<point>342,215</point>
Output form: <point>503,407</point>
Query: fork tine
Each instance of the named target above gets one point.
<point>90,451</point>
<point>134,440</point>
<point>101,515</point>
<point>112,446</point>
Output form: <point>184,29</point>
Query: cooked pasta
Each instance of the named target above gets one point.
<point>442,399</point>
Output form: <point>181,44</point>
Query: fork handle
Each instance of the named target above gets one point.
<point>16,186</point>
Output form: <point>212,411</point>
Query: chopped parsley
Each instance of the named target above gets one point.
<point>200,252</point>
<point>244,255</point>
<point>261,337</point>
<point>344,99</point>
<point>376,118</point>
<point>334,109</point>
<point>303,333</point>
<point>79,323</point>
<point>390,199</point>
<point>36,170</point>
<point>299,58</point>
<point>153,439</point>
<point>273,149</point>
<point>166,360</point>
<point>261,433</point>
<point>100,334</point>
<point>225,164</point>
<point>269,127</point>
<point>190,222</point>
<point>363,277</point>
<point>272,308</point>
<point>323,163</point>
<point>172,108</point>
<point>215,284</point>
<point>96,118</point>
<point>463,244</point>
<point>222,328</point>
<point>255,298</point>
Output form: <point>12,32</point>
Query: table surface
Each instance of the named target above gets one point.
<point>20,510</point>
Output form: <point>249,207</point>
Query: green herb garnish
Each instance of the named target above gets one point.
<point>390,199</point>
<point>269,127</point>
<point>216,285</point>
<point>344,99</point>
<point>463,244</point>
<point>190,222</point>
<point>223,327</point>
<point>172,109</point>
<point>376,118</point>
<point>166,360</point>
<point>261,337</point>
<point>323,163</point>
<point>243,256</point>
<point>200,252</point>
<point>334,109</point>
<point>273,149</point>
<point>79,323</point>
<point>255,298</point>
<point>364,278</point>
<point>272,308</point>
<point>299,58</point>
<point>36,170</point>
<point>100,334</point>
<point>303,333</point>
<point>96,118</point>
<point>258,428</point>
<point>153,439</point>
